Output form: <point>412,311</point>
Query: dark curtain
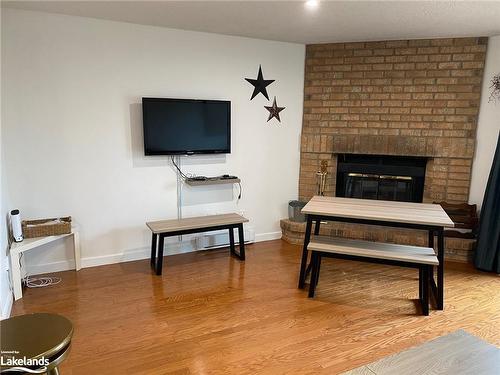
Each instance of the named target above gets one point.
<point>487,256</point>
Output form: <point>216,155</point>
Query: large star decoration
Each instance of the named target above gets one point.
<point>274,111</point>
<point>259,84</point>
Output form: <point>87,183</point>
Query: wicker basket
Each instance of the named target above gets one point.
<point>46,227</point>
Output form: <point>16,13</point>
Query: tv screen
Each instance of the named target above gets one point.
<point>186,126</point>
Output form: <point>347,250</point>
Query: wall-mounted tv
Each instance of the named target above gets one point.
<point>186,126</point>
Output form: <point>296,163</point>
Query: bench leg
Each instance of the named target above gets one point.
<point>314,275</point>
<point>159,261</point>
<point>16,274</point>
<point>241,254</point>
<point>231,241</point>
<point>432,285</point>
<point>153,250</point>
<point>76,248</point>
<point>424,281</point>
<point>241,239</point>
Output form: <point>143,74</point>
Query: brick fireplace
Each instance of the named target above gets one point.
<point>407,98</point>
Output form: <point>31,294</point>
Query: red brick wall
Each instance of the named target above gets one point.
<point>407,97</point>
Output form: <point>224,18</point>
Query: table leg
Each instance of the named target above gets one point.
<point>425,289</point>
<point>319,268</point>
<point>440,271</point>
<point>316,232</point>
<point>16,275</point>
<point>153,249</point>
<point>303,263</point>
<point>241,241</point>
<point>308,268</point>
<point>315,257</point>
<point>316,227</point>
<point>76,248</point>
<point>159,261</point>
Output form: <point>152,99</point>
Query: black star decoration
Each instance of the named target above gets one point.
<point>259,84</point>
<point>274,111</point>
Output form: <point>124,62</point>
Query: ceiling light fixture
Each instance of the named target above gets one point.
<point>312,4</point>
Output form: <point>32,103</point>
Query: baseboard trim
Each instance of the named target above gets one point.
<point>37,269</point>
<point>127,256</point>
<point>267,236</point>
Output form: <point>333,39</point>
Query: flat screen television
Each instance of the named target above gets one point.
<point>186,126</point>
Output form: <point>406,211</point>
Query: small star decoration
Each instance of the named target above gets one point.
<point>274,111</point>
<point>259,84</point>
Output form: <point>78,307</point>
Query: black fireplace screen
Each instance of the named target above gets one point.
<point>381,177</point>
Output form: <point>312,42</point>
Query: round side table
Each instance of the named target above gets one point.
<point>35,337</point>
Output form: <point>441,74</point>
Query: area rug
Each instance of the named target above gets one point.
<point>456,353</point>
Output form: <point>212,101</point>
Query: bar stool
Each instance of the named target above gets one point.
<point>39,336</point>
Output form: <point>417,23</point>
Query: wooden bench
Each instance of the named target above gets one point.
<point>464,217</point>
<point>178,227</point>
<point>422,258</point>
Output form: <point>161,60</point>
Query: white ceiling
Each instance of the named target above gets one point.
<point>292,21</point>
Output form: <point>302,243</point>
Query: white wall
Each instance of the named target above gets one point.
<point>488,126</point>
<point>5,294</point>
<point>72,127</point>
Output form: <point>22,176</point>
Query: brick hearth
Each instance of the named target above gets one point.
<point>406,97</point>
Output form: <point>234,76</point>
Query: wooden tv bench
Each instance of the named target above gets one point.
<point>176,227</point>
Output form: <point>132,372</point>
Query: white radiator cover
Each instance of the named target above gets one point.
<point>221,238</point>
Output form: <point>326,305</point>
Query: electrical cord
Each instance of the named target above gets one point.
<point>41,370</point>
<point>39,282</point>
<point>178,169</point>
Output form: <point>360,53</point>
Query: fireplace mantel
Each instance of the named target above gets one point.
<point>403,146</point>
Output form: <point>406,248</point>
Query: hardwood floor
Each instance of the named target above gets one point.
<point>212,314</point>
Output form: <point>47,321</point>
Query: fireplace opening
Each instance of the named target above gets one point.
<point>383,177</point>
